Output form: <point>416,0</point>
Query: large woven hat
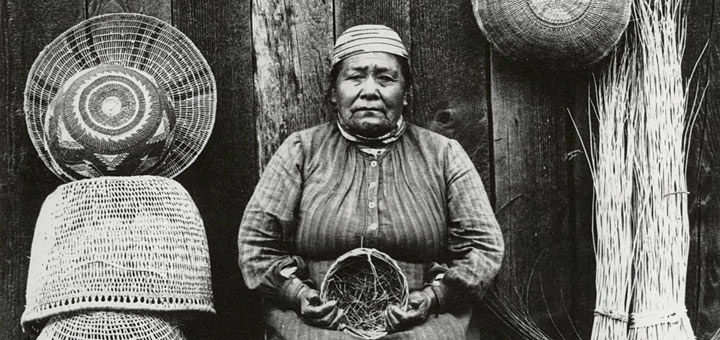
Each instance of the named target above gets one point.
<point>111,326</point>
<point>121,243</point>
<point>364,282</point>
<point>120,94</point>
<point>558,33</point>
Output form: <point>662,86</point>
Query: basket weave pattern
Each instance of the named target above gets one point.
<point>121,243</point>
<point>144,45</point>
<point>364,282</point>
<point>559,33</point>
<point>111,326</point>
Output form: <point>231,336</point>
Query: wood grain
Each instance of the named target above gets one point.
<point>449,60</point>
<point>224,176</point>
<point>160,9</point>
<point>392,13</point>
<point>292,43</point>
<point>529,110</point>
<point>703,284</point>
<point>27,26</point>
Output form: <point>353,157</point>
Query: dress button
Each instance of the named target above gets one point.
<point>373,164</point>
<point>372,227</point>
<point>372,184</point>
<point>371,205</point>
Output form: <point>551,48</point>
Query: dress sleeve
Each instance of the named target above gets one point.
<point>265,238</point>
<point>475,242</point>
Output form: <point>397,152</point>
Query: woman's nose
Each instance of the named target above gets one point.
<point>370,89</point>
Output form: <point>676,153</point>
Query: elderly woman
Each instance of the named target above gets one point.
<point>375,180</point>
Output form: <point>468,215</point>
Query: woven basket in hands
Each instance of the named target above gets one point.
<point>106,325</point>
<point>107,115</point>
<point>364,282</point>
<point>120,243</point>
<point>556,33</point>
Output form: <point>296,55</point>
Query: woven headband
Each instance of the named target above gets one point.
<point>368,38</point>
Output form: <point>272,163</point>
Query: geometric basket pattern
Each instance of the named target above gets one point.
<point>109,121</point>
<point>140,50</point>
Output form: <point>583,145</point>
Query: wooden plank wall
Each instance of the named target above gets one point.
<point>271,58</point>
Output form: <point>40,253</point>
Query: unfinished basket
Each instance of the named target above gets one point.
<point>152,62</point>
<point>111,326</point>
<point>120,243</point>
<point>364,282</point>
<point>557,33</point>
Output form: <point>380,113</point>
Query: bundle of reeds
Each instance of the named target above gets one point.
<point>660,194</point>
<point>611,159</point>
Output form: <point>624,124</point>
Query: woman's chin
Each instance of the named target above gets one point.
<point>371,129</point>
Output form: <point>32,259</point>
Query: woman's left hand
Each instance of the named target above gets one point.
<point>419,305</point>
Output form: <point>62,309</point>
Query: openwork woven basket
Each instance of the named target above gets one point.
<point>364,282</point>
<point>558,33</point>
<point>111,326</point>
<point>120,243</point>
<point>106,115</point>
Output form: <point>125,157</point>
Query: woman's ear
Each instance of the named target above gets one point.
<point>332,98</point>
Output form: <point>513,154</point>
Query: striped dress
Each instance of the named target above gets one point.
<point>422,202</point>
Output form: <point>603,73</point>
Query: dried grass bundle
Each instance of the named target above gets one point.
<point>364,282</point>
<point>611,164</point>
<point>661,216</point>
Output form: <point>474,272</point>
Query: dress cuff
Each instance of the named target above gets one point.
<point>291,288</point>
<point>439,293</point>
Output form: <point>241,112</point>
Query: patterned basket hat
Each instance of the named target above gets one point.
<point>120,94</point>
<point>121,243</point>
<point>111,326</point>
<point>558,33</point>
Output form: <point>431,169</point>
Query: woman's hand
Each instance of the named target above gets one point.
<point>318,314</point>
<point>419,304</point>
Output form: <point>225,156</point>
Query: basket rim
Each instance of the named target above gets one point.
<point>35,117</point>
<point>499,23</point>
<point>362,251</point>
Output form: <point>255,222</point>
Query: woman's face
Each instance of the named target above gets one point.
<point>370,93</point>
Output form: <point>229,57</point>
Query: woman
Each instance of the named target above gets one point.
<point>370,179</point>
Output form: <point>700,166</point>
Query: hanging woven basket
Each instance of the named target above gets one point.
<point>364,282</point>
<point>119,243</point>
<point>111,326</point>
<point>556,33</point>
<point>120,94</point>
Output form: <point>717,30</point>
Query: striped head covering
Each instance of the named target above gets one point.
<point>368,38</point>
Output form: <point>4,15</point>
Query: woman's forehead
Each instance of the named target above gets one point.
<point>372,60</point>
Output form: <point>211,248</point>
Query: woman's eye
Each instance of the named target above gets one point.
<point>386,78</point>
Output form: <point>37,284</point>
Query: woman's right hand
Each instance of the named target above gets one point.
<point>318,314</point>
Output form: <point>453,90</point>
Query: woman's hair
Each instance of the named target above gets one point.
<point>335,72</point>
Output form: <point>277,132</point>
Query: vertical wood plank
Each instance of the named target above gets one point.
<point>292,43</point>
<point>703,285</point>
<point>224,176</point>
<point>27,26</point>
<point>160,9</point>
<point>391,13</point>
<point>580,198</point>
<point>449,60</point>
<point>531,186</point>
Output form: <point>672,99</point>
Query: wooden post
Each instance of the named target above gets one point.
<point>292,41</point>
<point>529,109</point>
<point>703,281</point>
<point>24,180</point>
<point>223,177</point>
